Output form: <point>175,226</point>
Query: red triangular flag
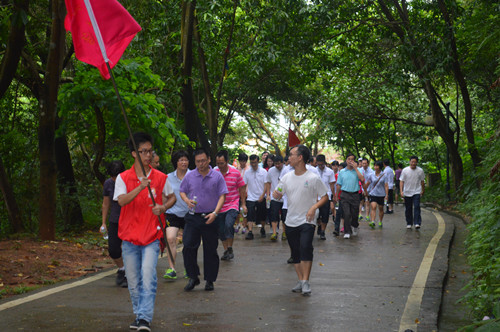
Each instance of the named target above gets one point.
<point>117,27</point>
<point>292,139</point>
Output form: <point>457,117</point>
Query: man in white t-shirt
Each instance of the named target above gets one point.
<point>328,177</point>
<point>276,205</point>
<point>364,204</point>
<point>255,179</point>
<point>302,188</point>
<point>412,185</point>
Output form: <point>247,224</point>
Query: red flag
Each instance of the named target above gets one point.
<point>292,139</point>
<point>117,28</point>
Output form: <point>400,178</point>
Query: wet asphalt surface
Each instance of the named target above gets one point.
<point>361,284</point>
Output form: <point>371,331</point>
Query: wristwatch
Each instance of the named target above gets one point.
<point>216,214</point>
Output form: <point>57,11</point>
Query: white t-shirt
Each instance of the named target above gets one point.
<point>255,183</point>
<point>312,169</point>
<point>412,180</point>
<point>286,169</point>
<point>273,177</point>
<point>121,188</point>
<point>327,176</point>
<point>302,193</point>
<point>389,176</point>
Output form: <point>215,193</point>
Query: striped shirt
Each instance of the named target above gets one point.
<point>234,181</point>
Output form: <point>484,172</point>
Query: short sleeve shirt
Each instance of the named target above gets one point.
<point>206,188</point>
<point>412,179</point>
<point>255,181</point>
<point>234,182</point>
<point>114,209</point>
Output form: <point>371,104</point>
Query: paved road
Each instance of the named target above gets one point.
<point>386,279</point>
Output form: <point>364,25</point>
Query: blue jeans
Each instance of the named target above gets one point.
<point>412,210</point>
<point>140,268</point>
<point>225,221</point>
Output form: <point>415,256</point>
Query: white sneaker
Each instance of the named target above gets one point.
<point>362,209</point>
<point>298,287</point>
<point>408,226</point>
<point>354,231</point>
<point>417,226</point>
<point>306,288</point>
<point>347,236</point>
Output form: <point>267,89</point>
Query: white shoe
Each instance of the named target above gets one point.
<point>306,288</point>
<point>417,226</point>
<point>408,226</point>
<point>362,209</point>
<point>354,231</point>
<point>298,287</point>
<point>347,236</point>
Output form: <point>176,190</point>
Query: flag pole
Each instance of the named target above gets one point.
<point>106,60</point>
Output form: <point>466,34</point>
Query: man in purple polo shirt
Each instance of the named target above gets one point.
<point>210,190</point>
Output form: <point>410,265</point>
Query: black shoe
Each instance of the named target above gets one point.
<point>209,286</point>
<point>335,233</point>
<point>318,230</point>
<point>322,236</point>
<point>124,283</point>
<point>120,276</point>
<point>249,236</point>
<point>262,232</point>
<point>230,253</point>
<point>134,325</point>
<point>225,257</point>
<point>290,260</point>
<point>143,325</point>
<point>390,212</point>
<point>191,284</point>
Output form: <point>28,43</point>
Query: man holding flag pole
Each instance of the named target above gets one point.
<point>101,31</point>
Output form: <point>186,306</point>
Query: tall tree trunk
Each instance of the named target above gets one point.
<point>15,45</point>
<point>194,129</point>
<point>46,130</point>
<point>462,83</point>
<point>68,193</point>
<point>10,201</point>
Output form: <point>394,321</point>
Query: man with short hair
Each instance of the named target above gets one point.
<point>276,205</point>
<point>140,226</point>
<point>348,182</point>
<point>302,188</point>
<point>236,190</point>
<point>210,190</point>
<point>155,163</point>
<point>327,176</point>
<point>389,174</point>
<point>412,186</point>
<point>255,179</point>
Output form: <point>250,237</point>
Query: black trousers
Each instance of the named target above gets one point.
<point>350,208</point>
<point>195,230</point>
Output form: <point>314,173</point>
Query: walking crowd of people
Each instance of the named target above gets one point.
<point>295,196</point>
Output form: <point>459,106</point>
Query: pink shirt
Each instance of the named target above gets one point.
<point>234,181</point>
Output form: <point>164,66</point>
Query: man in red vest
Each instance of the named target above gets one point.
<point>140,228</point>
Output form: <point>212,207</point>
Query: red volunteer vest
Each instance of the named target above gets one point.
<point>138,224</point>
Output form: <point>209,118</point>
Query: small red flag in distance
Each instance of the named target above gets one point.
<point>292,139</point>
<point>116,25</point>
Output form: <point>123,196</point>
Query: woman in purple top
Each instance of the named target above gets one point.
<point>113,209</point>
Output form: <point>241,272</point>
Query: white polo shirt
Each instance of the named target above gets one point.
<point>327,176</point>
<point>273,177</point>
<point>255,183</point>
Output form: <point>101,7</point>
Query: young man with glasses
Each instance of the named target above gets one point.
<point>139,227</point>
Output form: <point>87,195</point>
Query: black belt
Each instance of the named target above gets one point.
<point>203,214</point>
<point>350,192</point>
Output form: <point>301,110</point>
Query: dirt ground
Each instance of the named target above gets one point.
<point>28,264</point>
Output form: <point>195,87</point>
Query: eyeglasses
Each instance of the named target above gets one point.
<point>146,151</point>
